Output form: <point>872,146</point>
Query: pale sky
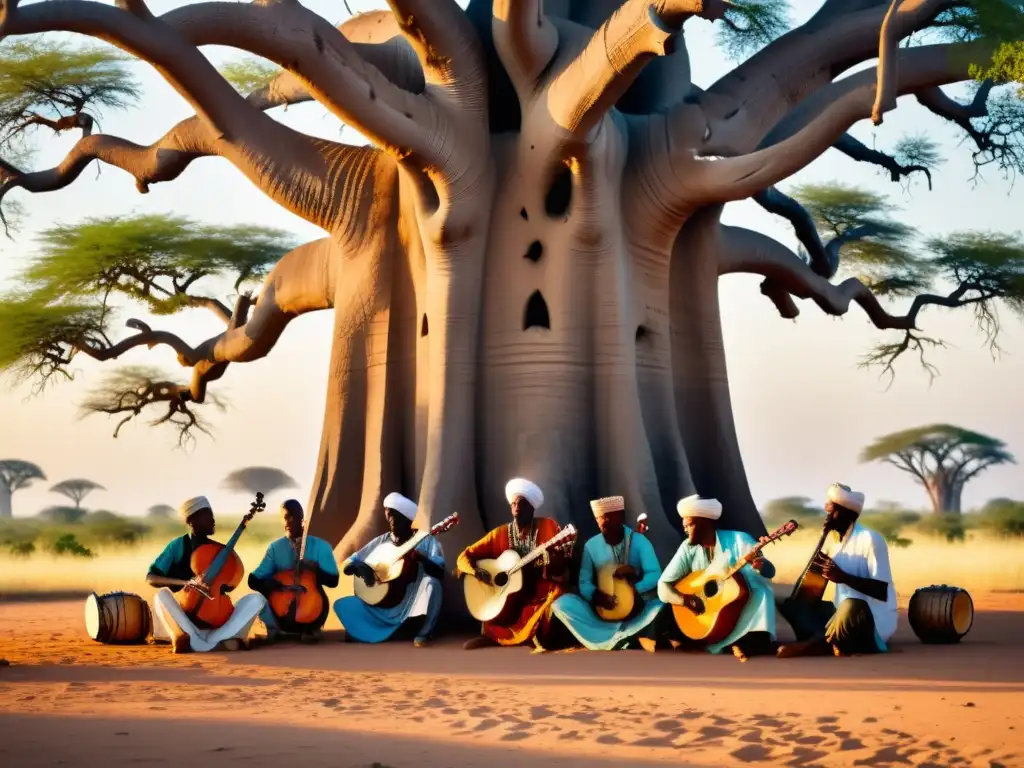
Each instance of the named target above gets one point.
<point>803,408</point>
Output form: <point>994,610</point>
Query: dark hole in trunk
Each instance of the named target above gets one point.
<point>535,251</point>
<point>424,327</point>
<point>536,315</point>
<point>559,196</point>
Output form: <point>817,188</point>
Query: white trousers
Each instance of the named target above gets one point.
<point>170,620</point>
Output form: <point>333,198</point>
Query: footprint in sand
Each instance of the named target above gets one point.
<point>668,726</point>
<point>486,725</point>
<point>330,702</point>
<point>884,756</point>
<point>848,745</point>
<point>575,736</point>
<point>803,756</point>
<point>540,713</point>
<point>655,741</point>
<point>515,736</point>
<point>752,737</point>
<point>713,732</point>
<point>434,703</point>
<point>607,738</point>
<point>827,719</point>
<point>479,711</point>
<point>752,753</point>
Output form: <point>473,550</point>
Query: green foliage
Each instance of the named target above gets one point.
<point>918,150</point>
<point>110,529</point>
<point>38,332</point>
<point>249,74</point>
<point>938,440</point>
<point>76,489</point>
<point>749,25</point>
<point>21,548</point>
<point>950,527</point>
<point>258,479</point>
<point>799,508</point>
<point>890,520</point>
<point>1003,517</point>
<point>68,544</point>
<point>161,512</point>
<point>62,515</point>
<point>57,79</point>
<point>16,474</point>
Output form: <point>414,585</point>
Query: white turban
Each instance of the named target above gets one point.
<point>695,506</point>
<point>608,504</point>
<point>529,491</point>
<point>193,505</point>
<point>844,497</point>
<point>403,506</point>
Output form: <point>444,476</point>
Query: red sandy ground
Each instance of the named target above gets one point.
<point>66,700</point>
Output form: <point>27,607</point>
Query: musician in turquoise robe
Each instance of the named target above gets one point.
<point>706,544</point>
<point>617,544</point>
<point>372,624</point>
<point>282,555</point>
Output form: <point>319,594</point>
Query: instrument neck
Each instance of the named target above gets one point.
<point>748,558</point>
<point>224,554</point>
<point>411,543</point>
<point>533,555</point>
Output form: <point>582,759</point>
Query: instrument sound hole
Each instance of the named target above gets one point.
<point>711,589</point>
<point>501,579</point>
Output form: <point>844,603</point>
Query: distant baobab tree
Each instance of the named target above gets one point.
<point>76,489</point>
<point>15,475</point>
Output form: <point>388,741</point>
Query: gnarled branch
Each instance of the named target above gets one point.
<point>524,38</point>
<point>448,47</point>
<point>824,260</point>
<point>857,150</point>
<point>637,32</point>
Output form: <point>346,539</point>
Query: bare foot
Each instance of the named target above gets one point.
<point>805,648</point>
<point>738,653</point>
<point>648,644</point>
<point>233,644</point>
<point>478,642</point>
<point>181,644</point>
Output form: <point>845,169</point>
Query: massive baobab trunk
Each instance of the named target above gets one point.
<point>523,267</point>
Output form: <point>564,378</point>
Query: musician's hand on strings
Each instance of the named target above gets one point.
<point>693,603</point>
<point>830,570</point>
<point>198,584</point>
<point>604,600</point>
<point>627,573</point>
<point>757,564</point>
<point>482,575</point>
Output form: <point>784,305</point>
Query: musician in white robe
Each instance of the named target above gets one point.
<point>862,615</point>
<point>708,546</point>
<point>373,624</point>
<point>170,623</point>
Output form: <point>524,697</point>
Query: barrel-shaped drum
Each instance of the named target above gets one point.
<point>117,618</point>
<point>940,614</point>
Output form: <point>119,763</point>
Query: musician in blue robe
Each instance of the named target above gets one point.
<point>283,555</point>
<point>419,610</point>
<point>706,546</point>
<point>637,564</point>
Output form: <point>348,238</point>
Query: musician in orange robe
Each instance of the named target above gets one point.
<point>528,613</point>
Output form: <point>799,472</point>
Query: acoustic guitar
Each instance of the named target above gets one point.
<point>393,570</point>
<point>487,601</point>
<point>721,596</point>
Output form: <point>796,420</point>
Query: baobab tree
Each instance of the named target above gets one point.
<point>523,263</point>
<point>258,480</point>
<point>941,457</point>
<point>76,489</point>
<point>15,475</point>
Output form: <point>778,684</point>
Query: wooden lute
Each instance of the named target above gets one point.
<point>810,587</point>
<point>722,596</point>
<point>218,566</point>
<point>392,569</point>
<point>487,601</point>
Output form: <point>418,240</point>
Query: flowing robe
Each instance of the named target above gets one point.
<point>576,612</point>
<point>373,624</point>
<point>758,614</point>
<point>527,612</point>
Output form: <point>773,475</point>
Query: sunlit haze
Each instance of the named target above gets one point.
<point>803,407</point>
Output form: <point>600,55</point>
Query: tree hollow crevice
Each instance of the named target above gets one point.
<point>558,200</point>
<point>424,326</point>
<point>536,314</point>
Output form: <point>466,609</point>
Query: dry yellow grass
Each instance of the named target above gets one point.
<point>981,564</point>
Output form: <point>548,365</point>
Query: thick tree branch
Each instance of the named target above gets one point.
<point>824,262</point>
<point>862,153</point>
<point>447,45</point>
<point>525,39</point>
<point>936,101</point>
<point>817,123</point>
<point>634,34</point>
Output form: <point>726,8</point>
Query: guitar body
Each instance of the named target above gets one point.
<point>215,611</point>
<point>310,607</point>
<point>810,588</point>
<point>723,601</point>
<point>620,588</point>
<point>486,602</point>
<point>394,575</point>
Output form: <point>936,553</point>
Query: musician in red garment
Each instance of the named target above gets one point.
<point>544,580</point>
<point>171,567</point>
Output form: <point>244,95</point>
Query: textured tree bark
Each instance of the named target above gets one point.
<point>944,492</point>
<point>6,508</point>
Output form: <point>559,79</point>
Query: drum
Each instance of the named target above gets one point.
<point>940,614</point>
<point>117,618</point>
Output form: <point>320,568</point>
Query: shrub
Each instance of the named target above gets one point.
<point>890,524</point>
<point>107,528</point>
<point>62,515</point>
<point>21,548</point>
<point>778,511</point>
<point>68,544</point>
<point>950,527</point>
<point>1003,517</point>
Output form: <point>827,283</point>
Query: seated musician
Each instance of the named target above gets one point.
<point>862,616</point>
<point>706,544</point>
<point>282,555</point>
<point>635,563</point>
<point>173,565</point>
<point>543,580</point>
<point>418,612</point>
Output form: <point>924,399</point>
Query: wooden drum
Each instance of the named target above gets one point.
<point>117,618</point>
<point>940,614</point>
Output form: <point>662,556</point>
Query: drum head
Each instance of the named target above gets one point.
<point>92,616</point>
<point>963,613</point>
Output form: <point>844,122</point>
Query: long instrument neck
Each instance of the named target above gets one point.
<point>224,554</point>
<point>533,555</point>
<point>411,544</point>
<point>821,542</point>
<point>750,556</point>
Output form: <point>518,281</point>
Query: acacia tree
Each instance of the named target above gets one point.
<point>523,265</point>
<point>161,511</point>
<point>940,457</point>
<point>258,480</point>
<point>15,475</point>
<point>76,489</point>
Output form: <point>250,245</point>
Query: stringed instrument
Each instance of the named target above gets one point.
<point>721,596</point>
<point>810,587</point>
<point>298,610</point>
<point>218,566</point>
<point>393,569</point>
<point>487,601</point>
<point>610,584</point>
